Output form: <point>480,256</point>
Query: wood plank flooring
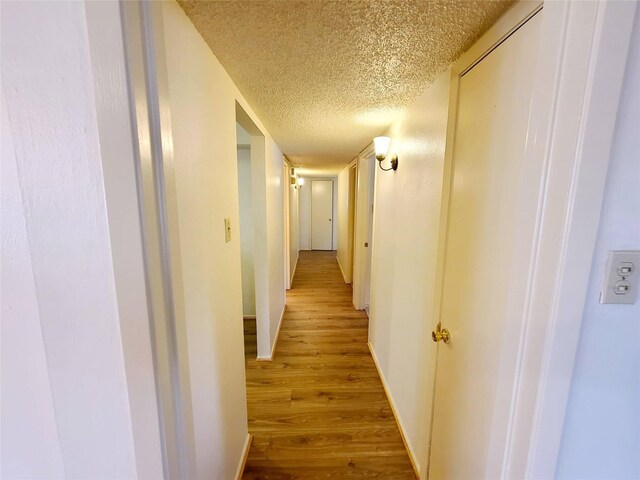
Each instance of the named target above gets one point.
<point>318,410</point>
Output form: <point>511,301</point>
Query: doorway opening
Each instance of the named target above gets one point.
<point>317,213</point>
<point>247,239</point>
<point>251,168</point>
<point>322,215</point>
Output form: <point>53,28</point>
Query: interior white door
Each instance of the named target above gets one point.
<point>486,259</point>
<point>322,215</point>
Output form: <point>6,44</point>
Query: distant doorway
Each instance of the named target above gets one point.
<point>322,215</point>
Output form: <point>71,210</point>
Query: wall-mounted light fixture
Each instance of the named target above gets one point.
<point>297,182</point>
<point>381,146</point>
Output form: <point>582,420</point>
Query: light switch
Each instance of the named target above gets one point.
<point>621,277</point>
<point>227,230</point>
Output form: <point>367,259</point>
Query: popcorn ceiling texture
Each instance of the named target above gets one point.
<point>326,76</point>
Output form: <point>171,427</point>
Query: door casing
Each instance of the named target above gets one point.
<point>153,139</point>
<point>487,248</point>
<point>361,278</point>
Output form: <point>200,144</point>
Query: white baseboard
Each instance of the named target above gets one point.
<point>243,459</point>
<point>275,341</point>
<point>412,456</point>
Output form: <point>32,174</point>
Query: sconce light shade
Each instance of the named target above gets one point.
<point>297,182</point>
<point>381,146</point>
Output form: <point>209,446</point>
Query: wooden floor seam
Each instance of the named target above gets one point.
<point>318,410</point>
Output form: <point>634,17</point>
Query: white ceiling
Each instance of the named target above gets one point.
<point>326,76</point>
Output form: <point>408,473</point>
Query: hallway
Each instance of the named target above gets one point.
<point>319,410</point>
<point>467,169</point>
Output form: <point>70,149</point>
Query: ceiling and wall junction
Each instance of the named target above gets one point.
<point>327,76</point>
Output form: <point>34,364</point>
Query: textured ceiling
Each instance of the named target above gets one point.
<point>326,76</point>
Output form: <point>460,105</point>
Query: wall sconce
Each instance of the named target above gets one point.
<point>381,146</point>
<point>297,182</point>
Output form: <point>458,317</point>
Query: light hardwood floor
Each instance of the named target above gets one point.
<point>318,410</point>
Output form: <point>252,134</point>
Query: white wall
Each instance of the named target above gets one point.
<point>68,395</point>
<point>203,109</point>
<point>305,212</point>
<point>30,446</point>
<point>246,232</point>
<point>601,437</point>
<point>405,238</point>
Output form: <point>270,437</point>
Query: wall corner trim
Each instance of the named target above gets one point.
<point>275,341</point>
<point>243,458</point>
<point>396,416</point>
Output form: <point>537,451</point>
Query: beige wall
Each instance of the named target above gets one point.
<point>202,100</point>
<point>405,237</point>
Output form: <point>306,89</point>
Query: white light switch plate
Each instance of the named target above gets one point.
<point>621,277</point>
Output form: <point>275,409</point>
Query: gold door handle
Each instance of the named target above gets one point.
<point>440,334</point>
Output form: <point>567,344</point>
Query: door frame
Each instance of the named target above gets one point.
<point>150,116</point>
<point>260,228</point>
<point>352,178</point>
<point>567,235</point>
<point>582,57</point>
<point>361,226</point>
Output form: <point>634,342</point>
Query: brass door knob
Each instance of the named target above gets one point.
<point>440,334</point>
